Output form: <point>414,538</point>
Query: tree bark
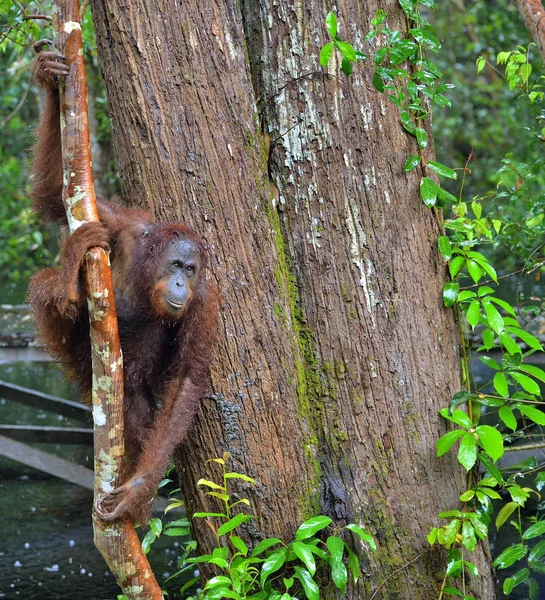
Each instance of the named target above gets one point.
<point>336,352</point>
<point>533,14</point>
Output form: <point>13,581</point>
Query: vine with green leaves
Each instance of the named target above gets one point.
<point>273,570</point>
<point>404,72</point>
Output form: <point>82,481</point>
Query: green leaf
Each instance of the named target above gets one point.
<point>353,565</point>
<point>490,440</point>
<point>331,24</point>
<point>310,527</point>
<point>421,139</point>
<point>534,530</point>
<point>474,270</point>
<point>527,384</point>
<point>326,53</point>
<point>234,475</point>
<point>441,169</point>
<point>234,523</point>
<point>444,246</point>
<point>309,585</point>
<point>490,362</point>
<point>459,417</point>
<point>265,545</point>
<point>239,544</point>
<point>537,551</point>
<point>532,413</point>
<point>428,191</point>
<point>505,305</point>
<point>347,50</point>
<point>509,556</point>
<point>455,265</point>
<point>469,540</point>
<point>272,564</point>
<point>450,293</point>
<point>525,71</point>
<point>506,511</point>
<point>362,534</point>
<point>467,453</point>
<point>526,337</point>
<point>473,313</point>
<point>481,63</point>
<point>445,442</point>
<point>488,338</point>
<point>495,320</point>
<point>156,526</point>
<point>533,371</point>
<point>335,545</point>
<point>218,580</point>
<point>509,343</point>
<point>205,515</point>
<point>177,531</point>
<point>411,163</point>
<point>506,415</point>
<point>378,83</point>
<point>306,556</point>
<point>346,67</point>
<point>210,484</point>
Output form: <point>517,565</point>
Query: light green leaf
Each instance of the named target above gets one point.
<point>335,545</point>
<point>353,565</point>
<point>306,556</point>
<point>265,545</point>
<point>455,265</point>
<point>362,534</point>
<point>210,484</point>
<point>234,523</point>
<point>474,270</point>
<point>532,413</point>
<point>441,169</point>
<point>239,544</point>
<point>347,50</point>
<point>527,384</point>
<point>507,416</point>
<point>495,320</point>
<point>326,53</point>
<point>272,564</point>
<point>473,313</point>
<point>239,476</point>
<point>445,442</point>
<point>533,371</point>
<point>506,511</point>
<point>331,24</point>
<point>509,343</point>
<point>310,527</point>
<point>309,585</point>
<point>490,440</point>
<point>500,384</point>
<point>467,453</point>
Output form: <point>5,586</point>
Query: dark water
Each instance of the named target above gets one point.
<point>46,535</point>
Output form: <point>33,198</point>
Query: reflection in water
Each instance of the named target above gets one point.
<point>46,535</point>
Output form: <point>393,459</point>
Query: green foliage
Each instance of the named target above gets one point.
<point>272,570</point>
<point>404,72</point>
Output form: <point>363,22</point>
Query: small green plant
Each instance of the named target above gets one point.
<point>272,570</point>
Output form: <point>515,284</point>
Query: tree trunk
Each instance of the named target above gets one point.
<point>336,352</point>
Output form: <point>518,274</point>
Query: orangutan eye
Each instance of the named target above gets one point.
<point>177,264</point>
<point>190,269</point>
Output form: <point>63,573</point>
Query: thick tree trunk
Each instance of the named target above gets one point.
<point>336,353</point>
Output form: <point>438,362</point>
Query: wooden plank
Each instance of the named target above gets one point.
<point>48,435</point>
<point>42,461</point>
<point>60,406</point>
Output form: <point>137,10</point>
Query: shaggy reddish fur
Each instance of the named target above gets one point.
<point>166,359</point>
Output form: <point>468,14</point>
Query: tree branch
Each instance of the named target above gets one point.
<point>117,542</point>
<point>533,15</point>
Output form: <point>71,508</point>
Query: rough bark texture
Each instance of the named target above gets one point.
<point>336,351</point>
<point>533,13</point>
<point>118,543</point>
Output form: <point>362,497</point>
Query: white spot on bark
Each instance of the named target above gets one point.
<point>70,26</point>
<point>99,416</point>
<point>367,114</point>
<point>358,243</point>
<point>387,197</point>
